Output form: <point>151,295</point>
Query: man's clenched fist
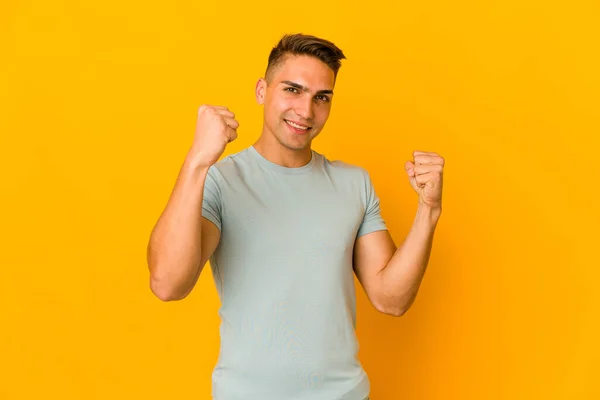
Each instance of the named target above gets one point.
<point>215,128</point>
<point>425,174</point>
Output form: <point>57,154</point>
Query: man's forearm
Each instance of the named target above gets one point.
<point>174,250</point>
<point>403,274</point>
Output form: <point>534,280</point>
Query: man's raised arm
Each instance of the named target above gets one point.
<point>183,240</point>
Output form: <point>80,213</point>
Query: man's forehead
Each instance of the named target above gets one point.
<point>306,71</point>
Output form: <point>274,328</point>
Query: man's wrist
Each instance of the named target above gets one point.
<point>429,212</point>
<point>196,161</point>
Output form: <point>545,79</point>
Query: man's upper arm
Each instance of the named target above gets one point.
<point>372,252</point>
<point>209,240</point>
<point>373,247</point>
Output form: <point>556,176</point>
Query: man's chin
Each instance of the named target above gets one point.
<point>297,144</point>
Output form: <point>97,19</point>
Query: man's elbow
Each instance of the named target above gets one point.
<point>393,311</point>
<point>164,291</point>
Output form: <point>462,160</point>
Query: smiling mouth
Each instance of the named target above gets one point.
<point>297,126</point>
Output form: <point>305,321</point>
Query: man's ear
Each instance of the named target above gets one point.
<point>260,91</point>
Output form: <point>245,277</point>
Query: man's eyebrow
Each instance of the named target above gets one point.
<point>300,87</point>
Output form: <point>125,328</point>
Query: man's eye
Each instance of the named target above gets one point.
<point>291,89</point>
<point>323,98</point>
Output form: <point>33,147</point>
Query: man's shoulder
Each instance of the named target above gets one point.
<point>344,168</point>
<point>230,163</point>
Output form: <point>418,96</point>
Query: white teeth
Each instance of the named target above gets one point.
<point>296,125</point>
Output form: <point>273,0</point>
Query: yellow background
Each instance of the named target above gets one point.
<point>98,102</point>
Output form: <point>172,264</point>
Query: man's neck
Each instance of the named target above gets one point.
<point>275,152</point>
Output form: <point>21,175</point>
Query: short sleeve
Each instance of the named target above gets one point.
<point>372,219</point>
<point>211,202</point>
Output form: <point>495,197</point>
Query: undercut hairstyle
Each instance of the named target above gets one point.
<point>300,44</point>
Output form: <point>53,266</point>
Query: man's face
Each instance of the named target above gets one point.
<point>297,100</point>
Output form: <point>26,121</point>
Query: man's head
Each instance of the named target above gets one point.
<point>298,89</point>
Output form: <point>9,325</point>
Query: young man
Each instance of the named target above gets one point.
<point>284,229</point>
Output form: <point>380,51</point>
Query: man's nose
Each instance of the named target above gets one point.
<point>304,108</point>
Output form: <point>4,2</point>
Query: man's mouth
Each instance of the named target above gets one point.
<point>297,125</point>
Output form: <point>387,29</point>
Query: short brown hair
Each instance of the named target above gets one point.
<point>300,44</point>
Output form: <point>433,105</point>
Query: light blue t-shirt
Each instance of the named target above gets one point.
<point>284,273</point>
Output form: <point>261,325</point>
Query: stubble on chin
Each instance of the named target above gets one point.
<point>292,145</point>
